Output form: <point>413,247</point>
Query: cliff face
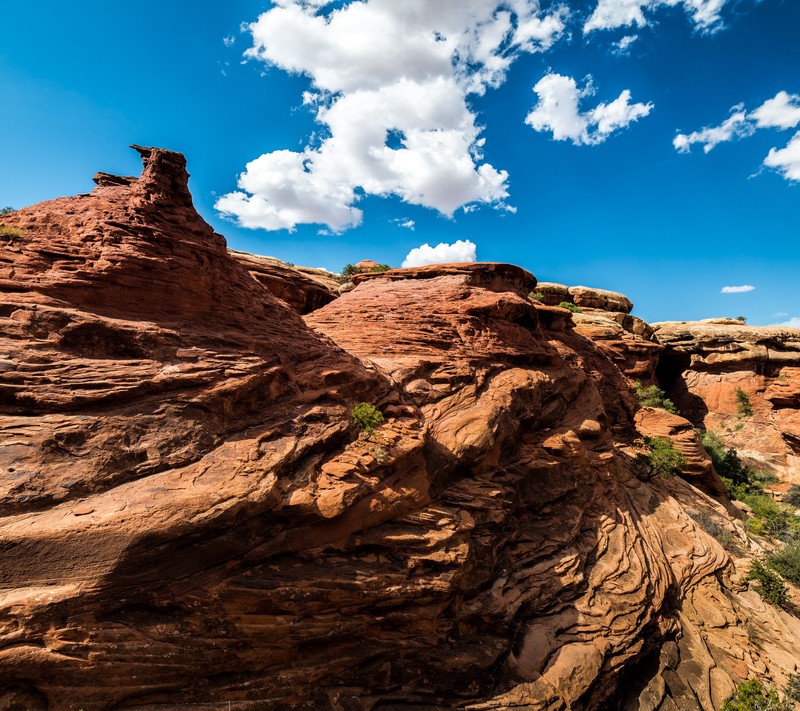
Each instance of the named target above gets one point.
<point>303,289</point>
<point>189,519</point>
<point>706,362</point>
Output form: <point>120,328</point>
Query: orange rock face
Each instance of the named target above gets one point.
<point>704,365</point>
<point>303,289</point>
<point>190,519</point>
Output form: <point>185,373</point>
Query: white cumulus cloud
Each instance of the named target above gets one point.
<point>558,111</point>
<point>793,322</point>
<point>786,160</point>
<point>737,289</point>
<point>737,125</point>
<point>442,253</point>
<point>390,83</point>
<point>781,112</point>
<point>610,14</point>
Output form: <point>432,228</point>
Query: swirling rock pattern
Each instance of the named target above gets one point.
<point>189,519</point>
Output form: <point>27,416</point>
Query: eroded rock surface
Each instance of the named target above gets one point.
<point>706,362</point>
<point>553,294</point>
<point>303,288</point>
<point>189,519</point>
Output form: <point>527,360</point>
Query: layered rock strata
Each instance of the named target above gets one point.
<point>303,288</point>
<point>189,519</point>
<point>705,363</point>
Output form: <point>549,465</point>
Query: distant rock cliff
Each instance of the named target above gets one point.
<point>189,518</point>
<point>706,362</point>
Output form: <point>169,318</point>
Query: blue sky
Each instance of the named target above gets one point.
<point>613,205</point>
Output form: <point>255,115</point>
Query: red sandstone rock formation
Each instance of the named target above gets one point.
<point>366,265</point>
<point>304,289</point>
<point>584,297</point>
<point>189,519</point>
<point>706,362</point>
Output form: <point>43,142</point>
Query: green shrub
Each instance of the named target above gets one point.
<point>792,497</point>
<point>752,695</point>
<point>743,319</point>
<point>726,462</point>
<point>6,210</point>
<point>366,417</point>
<point>764,477</point>
<point>743,406</point>
<point>381,268</point>
<point>769,517</point>
<point>662,459</point>
<point>769,584</point>
<point>536,296</point>
<point>787,562</point>
<point>654,396</point>
<point>793,687</point>
<point>570,307</point>
<point>723,536</point>
<point>349,271</point>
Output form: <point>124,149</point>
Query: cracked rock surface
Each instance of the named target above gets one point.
<point>189,519</point>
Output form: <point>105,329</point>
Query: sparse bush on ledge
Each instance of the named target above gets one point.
<point>7,210</point>
<point>787,562</point>
<point>9,231</point>
<point>793,687</point>
<point>366,417</point>
<point>792,497</point>
<point>536,296</point>
<point>769,584</point>
<point>752,695</point>
<point>722,535</point>
<point>661,459</point>
<point>654,396</point>
<point>569,306</point>
<point>726,461</point>
<point>743,406</point>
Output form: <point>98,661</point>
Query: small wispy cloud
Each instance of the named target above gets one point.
<point>737,289</point>
<point>229,40</point>
<point>623,47</point>
<point>405,223</point>
<point>781,112</point>
<point>610,14</point>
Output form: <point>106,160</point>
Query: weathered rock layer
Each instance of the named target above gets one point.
<point>189,519</point>
<point>705,363</point>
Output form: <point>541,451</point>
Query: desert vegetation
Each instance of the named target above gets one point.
<point>569,306</point>
<point>653,396</point>
<point>661,458</point>
<point>366,417</point>
<point>753,695</point>
<point>743,406</point>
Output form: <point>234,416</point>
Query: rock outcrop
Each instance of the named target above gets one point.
<point>302,288</point>
<point>189,519</point>
<point>704,364</point>
<point>583,296</point>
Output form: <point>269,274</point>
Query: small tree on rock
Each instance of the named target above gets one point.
<point>366,417</point>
